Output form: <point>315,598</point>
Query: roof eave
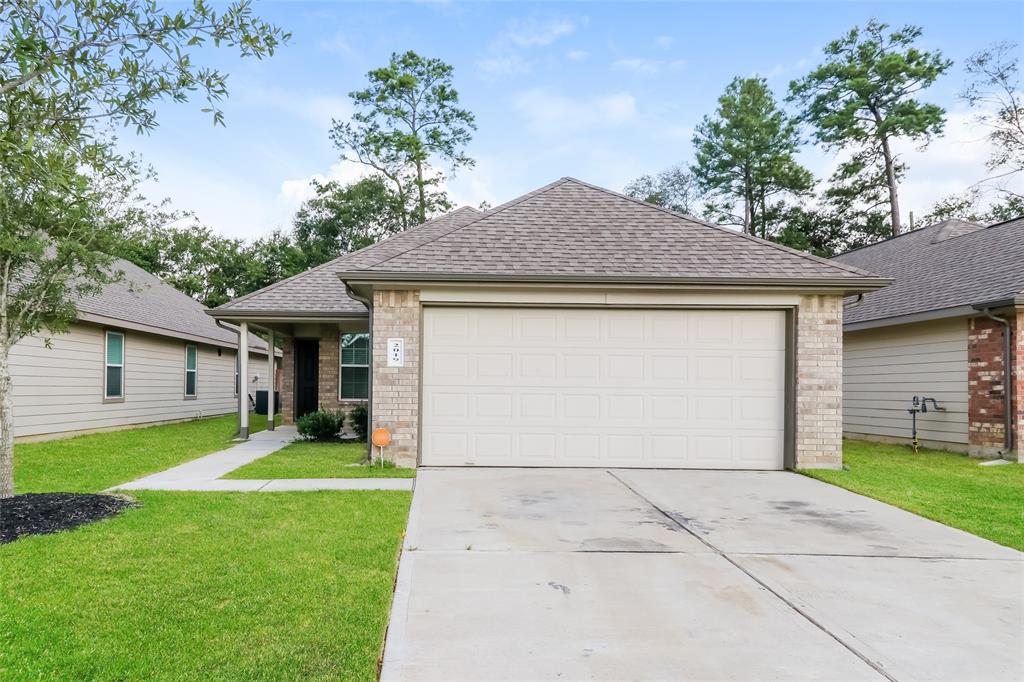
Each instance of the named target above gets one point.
<point>114,322</point>
<point>292,315</point>
<point>850,285</point>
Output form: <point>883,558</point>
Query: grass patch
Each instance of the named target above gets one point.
<point>946,487</point>
<point>98,461</point>
<point>318,460</point>
<point>206,586</point>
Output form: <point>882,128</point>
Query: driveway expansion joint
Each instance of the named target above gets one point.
<point>874,665</point>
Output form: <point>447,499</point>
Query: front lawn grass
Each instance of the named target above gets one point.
<point>946,487</point>
<point>98,461</point>
<point>318,460</point>
<point>206,586</point>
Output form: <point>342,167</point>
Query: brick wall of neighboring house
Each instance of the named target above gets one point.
<point>396,314</point>
<point>287,383</point>
<point>986,407</point>
<point>1018,386</point>
<point>819,382</point>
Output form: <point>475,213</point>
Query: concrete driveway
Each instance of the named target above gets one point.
<point>653,574</point>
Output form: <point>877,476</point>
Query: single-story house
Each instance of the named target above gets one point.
<point>141,352</point>
<point>573,326</point>
<point>947,329</point>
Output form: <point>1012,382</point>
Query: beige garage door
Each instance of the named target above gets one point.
<point>603,388</point>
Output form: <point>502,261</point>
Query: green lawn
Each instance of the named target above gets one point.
<point>98,461</point>
<point>198,586</point>
<point>949,488</point>
<point>318,460</point>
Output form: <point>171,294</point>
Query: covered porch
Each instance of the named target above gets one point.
<point>325,364</point>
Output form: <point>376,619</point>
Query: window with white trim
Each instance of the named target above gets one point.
<point>113,375</point>
<point>191,370</point>
<point>355,367</point>
<point>238,359</point>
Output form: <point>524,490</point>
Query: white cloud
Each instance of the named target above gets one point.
<point>505,65</point>
<point>537,32</point>
<point>337,44</point>
<point>505,54</point>
<point>577,55</point>
<point>664,42</point>
<point>318,110</point>
<point>547,112</point>
<point>293,192</point>
<point>647,67</point>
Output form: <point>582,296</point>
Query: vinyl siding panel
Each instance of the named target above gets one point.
<point>883,369</point>
<point>59,390</point>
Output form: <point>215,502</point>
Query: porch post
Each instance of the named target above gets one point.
<point>243,380</point>
<point>270,381</point>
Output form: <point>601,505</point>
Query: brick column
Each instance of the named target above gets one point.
<point>1018,385</point>
<point>329,369</point>
<point>287,382</point>
<point>396,314</point>
<point>986,408</point>
<point>819,382</point>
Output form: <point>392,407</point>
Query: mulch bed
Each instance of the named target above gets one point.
<point>41,513</point>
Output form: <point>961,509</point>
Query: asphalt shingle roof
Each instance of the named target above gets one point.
<point>946,265</point>
<point>568,230</point>
<point>144,299</point>
<point>319,291</point>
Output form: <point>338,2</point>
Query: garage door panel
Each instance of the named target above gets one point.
<point>655,388</point>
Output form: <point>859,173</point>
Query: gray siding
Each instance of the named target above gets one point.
<point>58,390</point>
<point>884,368</point>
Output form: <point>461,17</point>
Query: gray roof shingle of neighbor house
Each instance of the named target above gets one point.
<point>948,265</point>
<point>566,231</point>
<point>142,300</point>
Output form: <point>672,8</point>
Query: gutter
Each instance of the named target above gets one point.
<point>369,379</point>
<point>854,284</point>
<point>1007,378</point>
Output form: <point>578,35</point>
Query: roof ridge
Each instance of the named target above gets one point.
<point>720,228</point>
<point>486,214</point>
<point>315,268</point>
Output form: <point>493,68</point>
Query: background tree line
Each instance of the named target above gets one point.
<point>857,104</point>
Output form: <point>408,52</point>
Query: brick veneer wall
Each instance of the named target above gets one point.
<point>1018,386</point>
<point>396,314</point>
<point>287,383</point>
<point>329,368</point>
<point>986,407</point>
<point>818,439</point>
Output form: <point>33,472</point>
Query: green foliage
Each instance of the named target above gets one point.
<point>862,98</point>
<point>345,218</point>
<point>746,155</point>
<point>359,420</point>
<point>971,206</point>
<point>320,460</point>
<point>408,114</point>
<point>97,461</point>
<point>674,188</point>
<point>943,486</point>
<point>200,586</point>
<point>321,425</point>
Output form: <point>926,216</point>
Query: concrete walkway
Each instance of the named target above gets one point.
<point>204,474</point>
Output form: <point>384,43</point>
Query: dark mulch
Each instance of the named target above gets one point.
<point>41,513</point>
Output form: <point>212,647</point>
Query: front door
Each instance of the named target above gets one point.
<point>307,370</point>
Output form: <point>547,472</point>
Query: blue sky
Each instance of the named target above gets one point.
<point>600,91</point>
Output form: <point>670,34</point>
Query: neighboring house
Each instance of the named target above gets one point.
<point>141,352</point>
<point>940,331</point>
<point>573,326</point>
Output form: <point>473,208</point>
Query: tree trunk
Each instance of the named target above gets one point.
<point>890,179</point>
<point>422,193</point>
<point>6,425</point>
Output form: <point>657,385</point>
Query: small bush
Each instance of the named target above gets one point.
<point>359,420</point>
<point>320,425</point>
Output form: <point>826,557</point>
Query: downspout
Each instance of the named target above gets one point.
<point>1007,380</point>
<point>369,383</point>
